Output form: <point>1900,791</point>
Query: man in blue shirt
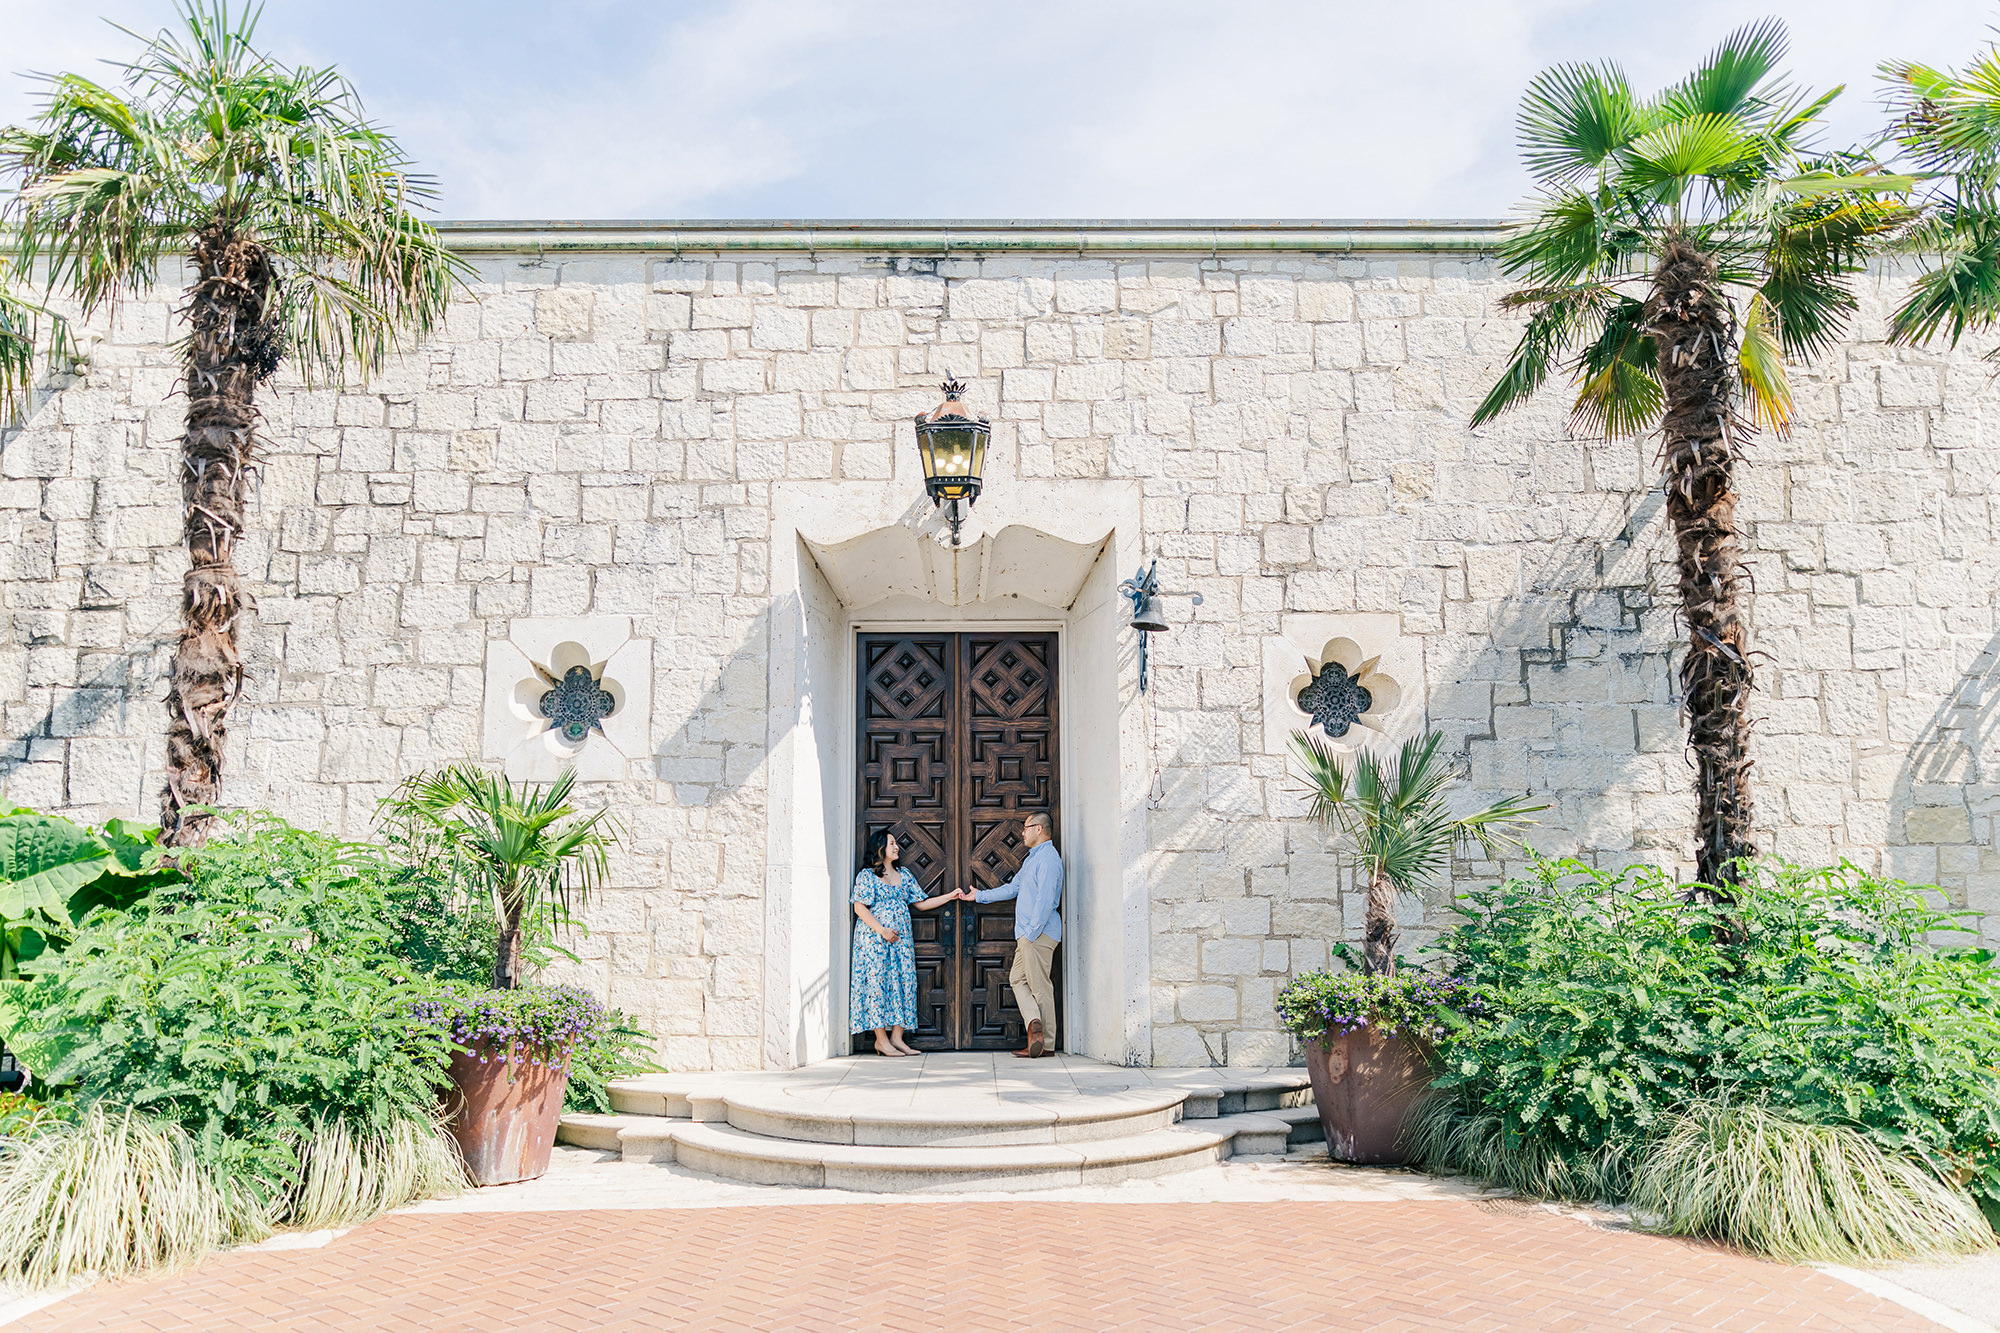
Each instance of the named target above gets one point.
<point>1036,891</point>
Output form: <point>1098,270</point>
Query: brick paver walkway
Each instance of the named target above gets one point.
<point>1044,1266</point>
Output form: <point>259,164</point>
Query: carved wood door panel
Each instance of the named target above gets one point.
<point>957,740</point>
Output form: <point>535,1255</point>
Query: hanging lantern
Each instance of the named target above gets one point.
<point>952,444</point>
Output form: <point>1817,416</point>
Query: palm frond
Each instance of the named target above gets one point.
<point>1948,122</point>
<point>1960,289</point>
<point>1559,319</point>
<point>1761,365</point>
<point>1619,392</point>
<point>1395,813</point>
<point>1677,152</point>
<point>1727,82</point>
<point>25,348</point>
<point>1573,236</point>
<point>1574,119</point>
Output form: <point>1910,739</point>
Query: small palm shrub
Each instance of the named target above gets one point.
<point>1616,1007</point>
<point>527,850</point>
<point>1400,824</point>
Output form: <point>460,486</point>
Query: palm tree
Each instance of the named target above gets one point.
<point>1949,125</point>
<point>528,850</point>
<point>294,213</point>
<point>1401,828</point>
<point>21,346</point>
<point>1680,248</point>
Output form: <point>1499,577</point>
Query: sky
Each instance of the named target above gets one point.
<point>660,109</point>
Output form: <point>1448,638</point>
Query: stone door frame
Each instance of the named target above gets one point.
<point>810,762</point>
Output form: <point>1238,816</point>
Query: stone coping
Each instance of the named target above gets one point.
<point>950,237</point>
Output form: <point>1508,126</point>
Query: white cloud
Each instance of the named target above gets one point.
<point>1084,108</point>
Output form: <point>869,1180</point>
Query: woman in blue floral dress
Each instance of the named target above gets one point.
<point>885,961</point>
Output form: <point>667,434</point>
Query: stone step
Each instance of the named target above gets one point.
<point>1204,1094</point>
<point>1275,1090</point>
<point>722,1149</point>
<point>1079,1120</point>
<point>1256,1133</point>
<point>1304,1121</point>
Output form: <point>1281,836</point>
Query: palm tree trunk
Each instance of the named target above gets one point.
<point>507,966</point>
<point>231,348</point>
<point>507,959</point>
<point>1692,327</point>
<point>1379,944</point>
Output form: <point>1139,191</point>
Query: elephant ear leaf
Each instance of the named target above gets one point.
<point>135,847</point>
<point>134,868</point>
<point>43,861</point>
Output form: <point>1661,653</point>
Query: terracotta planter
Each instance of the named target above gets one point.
<point>504,1116</point>
<point>1365,1086</point>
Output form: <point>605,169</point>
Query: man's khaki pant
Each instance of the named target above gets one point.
<point>1034,993</point>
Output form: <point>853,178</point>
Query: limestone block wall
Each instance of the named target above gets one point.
<point>598,435</point>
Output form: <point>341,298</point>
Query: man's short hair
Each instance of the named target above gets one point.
<point>1042,817</point>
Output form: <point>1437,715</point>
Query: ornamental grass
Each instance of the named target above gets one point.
<point>1799,1192</point>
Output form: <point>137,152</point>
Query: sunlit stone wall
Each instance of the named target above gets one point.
<point>597,437</point>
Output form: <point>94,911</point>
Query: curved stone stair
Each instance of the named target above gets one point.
<point>863,1128</point>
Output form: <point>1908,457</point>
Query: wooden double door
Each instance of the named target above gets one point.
<point>956,736</point>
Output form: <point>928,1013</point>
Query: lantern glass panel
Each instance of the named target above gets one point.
<point>953,447</point>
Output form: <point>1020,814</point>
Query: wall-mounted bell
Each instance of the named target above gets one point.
<point>1146,614</point>
<point>1144,590</point>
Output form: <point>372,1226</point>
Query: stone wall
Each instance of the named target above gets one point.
<point>599,435</point>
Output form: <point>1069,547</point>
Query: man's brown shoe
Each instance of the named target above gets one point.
<point>1034,1046</point>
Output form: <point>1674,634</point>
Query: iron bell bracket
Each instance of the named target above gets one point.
<point>1142,588</point>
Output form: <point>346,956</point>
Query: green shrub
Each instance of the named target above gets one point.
<point>1615,1004</point>
<point>615,1049</point>
<point>54,873</point>
<point>443,933</point>
<point>248,1006</point>
<point>1799,1192</point>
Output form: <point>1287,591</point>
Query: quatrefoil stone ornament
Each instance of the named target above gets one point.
<point>1352,679</point>
<point>1335,699</point>
<point>577,705</point>
<point>569,693</point>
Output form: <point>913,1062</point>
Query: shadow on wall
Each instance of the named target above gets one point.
<point>100,707</point>
<point>719,738</point>
<point>1943,803</point>
<point>1574,699</point>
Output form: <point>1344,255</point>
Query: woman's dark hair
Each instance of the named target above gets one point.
<point>878,848</point>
